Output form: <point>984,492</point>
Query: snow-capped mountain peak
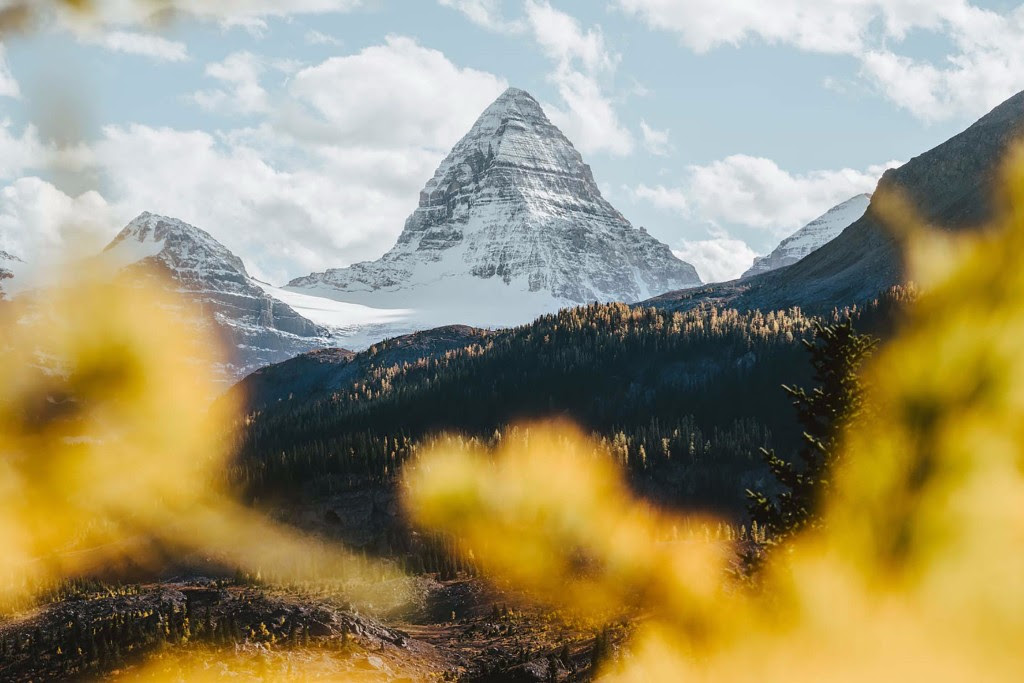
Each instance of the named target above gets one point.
<point>513,131</point>
<point>178,245</point>
<point>258,329</point>
<point>10,265</point>
<point>512,214</point>
<point>812,236</point>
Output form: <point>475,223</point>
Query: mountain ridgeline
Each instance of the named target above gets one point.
<point>952,187</point>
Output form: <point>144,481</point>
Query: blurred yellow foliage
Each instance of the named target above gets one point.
<point>917,572</point>
<point>551,513</point>
<point>272,665</point>
<point>111,450</point>
<point>21,16</point>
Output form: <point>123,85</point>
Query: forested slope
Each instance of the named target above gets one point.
<point>683,399</point>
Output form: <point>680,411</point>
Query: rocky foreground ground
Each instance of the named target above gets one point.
<point>194,628</point>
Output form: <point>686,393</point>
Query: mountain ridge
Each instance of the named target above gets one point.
<point>256,328</point>
<point>9,264</point>
<point>952,186</point>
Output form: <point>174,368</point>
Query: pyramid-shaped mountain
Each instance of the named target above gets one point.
<point>256,328</point>
<point>512,216</point>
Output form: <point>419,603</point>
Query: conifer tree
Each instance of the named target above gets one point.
<point>565,656</point>
<point>597,654</point>
<point>837,353</point>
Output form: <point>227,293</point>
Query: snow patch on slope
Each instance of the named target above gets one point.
<point>356,326</point>
<point>12,275</point>
<point>812,236</point>
<point>351,326</point>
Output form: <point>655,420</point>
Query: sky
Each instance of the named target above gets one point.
<point>300,133</point>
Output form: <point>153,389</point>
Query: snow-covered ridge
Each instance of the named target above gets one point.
<point>812,236</point>
<point>10,268</point>
<point>258,329</point>
<point>191,254</point>
<point>512,212</point>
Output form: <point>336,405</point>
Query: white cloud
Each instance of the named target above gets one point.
<point>320,38</point>
<point>394,95</point>
<point>143,44</point>
<point>254,25</point>
<point>589,118</point>
<point>19,152</point>
<point>984,67</point>
<point>639,89</point>
<point>582,62</point>
<point>973,82</point>
<point>655,141</point>
<point>245,13</point>
<point>41,224</point>
<point>819,25</point>
<point>668,199</point>
<point>757,194</point>
<point>241,72</point>
<point>8,84</point>
<point>583,69</point>
<point>563,39</point>
<point>485,13</point>
<point>717,260</point>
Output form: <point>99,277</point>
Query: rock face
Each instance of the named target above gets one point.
<point>257,329</point>
<point>812,236</point>
<point>512,209</point>
<point>8,265</point>
<point>951,186</point>
<point>276,615</point>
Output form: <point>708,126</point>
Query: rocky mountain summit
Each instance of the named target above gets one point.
<point>513,214</point>
<point>812,236</point>
<point>8,265</point>
<point>257,329</point>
